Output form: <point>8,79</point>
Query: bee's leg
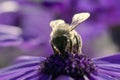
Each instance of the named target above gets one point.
<point>78,44</point>
<point>68,48</point>
<point>71,47</point>
<point>55,50</point>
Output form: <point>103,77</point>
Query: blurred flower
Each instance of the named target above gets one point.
<point>32,20</point>
<point>10,35</point>
<point>63,67</point>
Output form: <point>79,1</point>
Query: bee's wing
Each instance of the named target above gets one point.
<point>78,18</point>
<point>56,23</point>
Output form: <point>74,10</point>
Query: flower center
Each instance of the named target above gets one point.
<point>74,65</point>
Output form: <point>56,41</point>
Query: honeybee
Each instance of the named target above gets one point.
<point>63,36</point>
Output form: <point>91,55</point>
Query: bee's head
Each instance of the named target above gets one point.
<point>60,42</point>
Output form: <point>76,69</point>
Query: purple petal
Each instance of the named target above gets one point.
<point>18,72</point>
<point>25,69</point>
<point>29,59</point>
<point>10,35</point>
<point>101,76</point>
<point>96,77</point>
<point>112,59</point>
<point>31,75</point>
<point>24,62</point>
<point>110,73</point>
<point>108,66</point>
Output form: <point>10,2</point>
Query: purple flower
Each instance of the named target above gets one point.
<point>33,22</point>
<point>10,35</point>
<point>63,67</point>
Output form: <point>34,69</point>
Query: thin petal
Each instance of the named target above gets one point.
<point>24,75</point>
<point>29,59</point>
<point>110,67</point>
<point>16,73</point>
<point>110,73</point>
<point>25,69</point>
<point>112,59</point>
<point>101,76</point>
<point>20,66</point>
<point>10,35</point>
<point>96,77</point>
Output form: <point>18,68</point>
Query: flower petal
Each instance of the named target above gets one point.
<point>22,59</point>
<point>101,76</point>
<point>24,70</point>
<point>108,66</point>
<point>10,35</point>
<point>15,74</point>
<point>110,73</point>
<point>112,59</point>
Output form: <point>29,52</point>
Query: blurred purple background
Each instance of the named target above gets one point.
<point>25,30</point>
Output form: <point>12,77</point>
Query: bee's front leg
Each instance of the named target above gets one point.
<point>69,47</point>
<point>78,44</point>
<point>55,50</point>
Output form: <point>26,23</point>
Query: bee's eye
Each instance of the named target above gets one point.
<point>60,42</point>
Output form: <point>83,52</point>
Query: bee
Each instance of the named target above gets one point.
<point>64,38</point>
